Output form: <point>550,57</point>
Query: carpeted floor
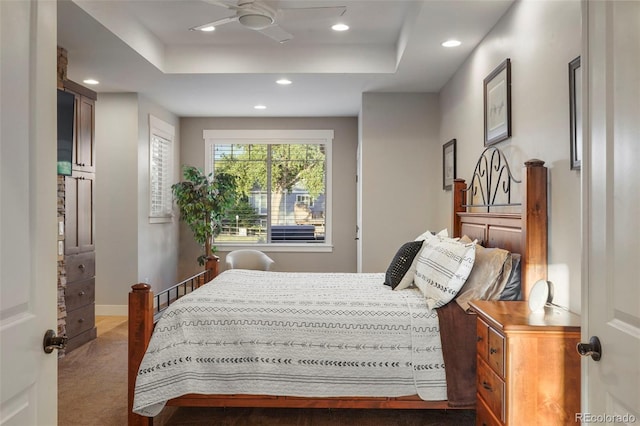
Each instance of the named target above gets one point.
<point>92,391</point>
<point>92,381</point>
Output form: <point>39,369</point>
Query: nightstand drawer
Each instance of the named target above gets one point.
<point>482,339</point>
<point>496,352</point>
<point>484,416</point>
<point>531,372</point>
<point>491,389</point>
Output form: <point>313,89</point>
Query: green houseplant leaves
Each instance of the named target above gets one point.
<point>203,200</point>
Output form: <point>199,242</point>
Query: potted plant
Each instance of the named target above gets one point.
<point>203,200</point>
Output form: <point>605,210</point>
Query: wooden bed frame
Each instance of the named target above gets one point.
<point>524,233</point>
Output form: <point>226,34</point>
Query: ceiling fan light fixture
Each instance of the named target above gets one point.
<point>255,21</point>
<point>340,27</point>
<point>451,43</point>
<point>208,28</point>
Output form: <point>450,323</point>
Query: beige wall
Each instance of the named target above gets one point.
<point>343,256</point>
<point>116,198</point>
<point>400,157</point>
<point>157,242</point>
<point>128,248</point>
<point>541,38</point>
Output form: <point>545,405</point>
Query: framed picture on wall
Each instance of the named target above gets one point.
<point>497,104</point>
<point>575,113</point>
<point>448,164</point>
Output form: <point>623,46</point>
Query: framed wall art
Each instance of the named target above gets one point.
<point>497,104</point>
<point>448,164</point>
<point>575,113</point>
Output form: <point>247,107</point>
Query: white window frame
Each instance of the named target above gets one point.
<point>158,129</point>
<point>272,136</point>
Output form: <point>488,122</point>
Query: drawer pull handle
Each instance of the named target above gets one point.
<point>487,386</point>
<point>479,339</point>
<point>81,293</point>
<point>493,351</point>
<point>81,320</point>
<point>81,267</point>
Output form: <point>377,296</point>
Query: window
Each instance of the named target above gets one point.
<point>284,185</point>
<point>161,137</point>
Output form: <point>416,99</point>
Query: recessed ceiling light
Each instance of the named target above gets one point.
<point>90,81</point>
<point>283,81</point>
<point>260,107</point>
<point>451,43</point>
<point>340,27</point>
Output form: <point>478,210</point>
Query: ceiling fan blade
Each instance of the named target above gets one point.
<point>276,33</point>
<point>223,4</point>
<point>307,13</point>
<point>215,23</point>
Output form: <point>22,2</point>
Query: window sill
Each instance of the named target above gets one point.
<point>164,219</point>
<point>277,247</point>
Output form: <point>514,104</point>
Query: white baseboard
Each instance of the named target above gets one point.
<point>112,310</point>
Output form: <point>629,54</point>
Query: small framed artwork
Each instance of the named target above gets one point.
<point>497,104</point>
<point>448,164</point>
<point>575,113</point>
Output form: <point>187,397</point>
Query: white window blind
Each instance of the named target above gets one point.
<point>160,170</point>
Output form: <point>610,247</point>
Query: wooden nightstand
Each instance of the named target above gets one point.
<point>528,366</point>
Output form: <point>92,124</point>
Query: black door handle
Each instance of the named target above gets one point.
<point>592,349</point>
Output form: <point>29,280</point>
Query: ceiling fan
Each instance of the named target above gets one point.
<point>259,16</point>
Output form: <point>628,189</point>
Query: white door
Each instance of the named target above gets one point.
<point>28,206</point>
<point>611,207</point>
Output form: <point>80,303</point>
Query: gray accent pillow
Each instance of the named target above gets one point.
<point>401,263</point>
<point>513,288</point>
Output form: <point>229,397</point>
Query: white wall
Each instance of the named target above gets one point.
<point>343,256</point>
<point>128,248</point>
<point>541,38</point>
<point>401,172</point>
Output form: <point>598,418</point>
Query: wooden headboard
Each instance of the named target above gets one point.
<point>523,232</point>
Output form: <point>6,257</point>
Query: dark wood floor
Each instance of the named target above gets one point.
<point>92,390</point>
<point>317,417</point>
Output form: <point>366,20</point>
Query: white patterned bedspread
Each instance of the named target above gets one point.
<point>293,334</point>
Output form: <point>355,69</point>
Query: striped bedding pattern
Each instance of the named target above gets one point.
<point>293,334</point>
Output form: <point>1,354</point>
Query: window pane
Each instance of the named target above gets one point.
<point>247,221</point>
<point>298,186</point>
<point>278,184</point>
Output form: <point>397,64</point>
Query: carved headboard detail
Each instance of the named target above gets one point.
<point>524,232</point>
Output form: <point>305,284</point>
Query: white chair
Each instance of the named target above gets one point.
<point>248,259</point>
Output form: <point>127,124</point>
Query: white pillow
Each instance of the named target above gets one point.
<point>442,268</point>
<point>429,234</point>
<point>407,279</point>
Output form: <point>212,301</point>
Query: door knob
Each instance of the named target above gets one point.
<point>51,341</point>
<point>592,349</point>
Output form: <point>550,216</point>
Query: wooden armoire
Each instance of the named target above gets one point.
<point>79,243</point>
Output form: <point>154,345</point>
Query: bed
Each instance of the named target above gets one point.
<point>355,339</point>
